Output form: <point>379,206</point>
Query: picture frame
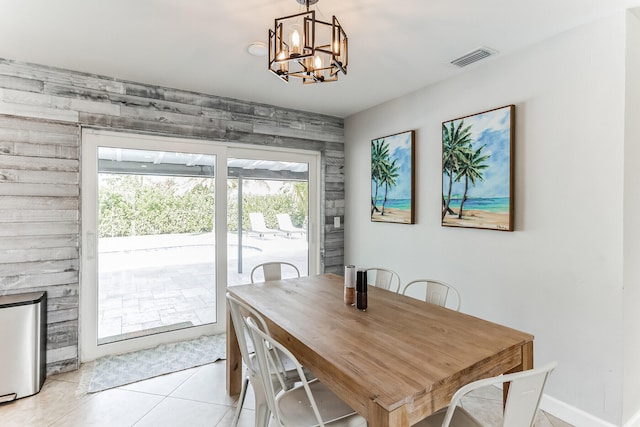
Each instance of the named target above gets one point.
<point>393,178</point>
<point>478,170</point>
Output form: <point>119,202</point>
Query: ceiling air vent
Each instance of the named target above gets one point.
<point>473,56</point>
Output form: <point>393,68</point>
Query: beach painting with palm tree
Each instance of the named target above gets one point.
<point>392,178</point>
<point>477,170</point>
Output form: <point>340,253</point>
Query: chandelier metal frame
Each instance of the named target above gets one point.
<point>304,47</point>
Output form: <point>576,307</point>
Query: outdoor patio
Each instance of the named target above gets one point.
<point>151,284</point>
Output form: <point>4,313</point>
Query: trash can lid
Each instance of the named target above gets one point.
<point>21,299</point>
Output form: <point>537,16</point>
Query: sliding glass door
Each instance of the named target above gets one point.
<point>269,210</point>
<point>149,257</point>
<point>167,225</point>
<point>156,242</point>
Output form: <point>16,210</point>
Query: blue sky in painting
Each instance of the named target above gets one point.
<point>400,149</point>
<point>490,129</point>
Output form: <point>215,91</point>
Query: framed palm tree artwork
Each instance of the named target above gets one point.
<point>477,170</point>
<point>393,178</point>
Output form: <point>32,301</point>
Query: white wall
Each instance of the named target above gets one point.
<point>631,409</point>
<point>559,275</point>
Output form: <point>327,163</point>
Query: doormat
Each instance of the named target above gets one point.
<point>115,371</point>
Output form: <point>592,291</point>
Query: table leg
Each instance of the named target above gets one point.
<point>527,363</point>
<point>380,417</point>
<point>234,359</point>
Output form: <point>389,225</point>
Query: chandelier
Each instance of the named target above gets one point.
<point>302,46</point>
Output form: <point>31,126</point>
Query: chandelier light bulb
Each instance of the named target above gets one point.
<point>282,56</point>
<point>295,42</point>
<point>317,64</point>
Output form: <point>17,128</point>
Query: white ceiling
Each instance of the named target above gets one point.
<point>395,47</point>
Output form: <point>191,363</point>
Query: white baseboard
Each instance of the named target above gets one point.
<point>634,421</point>
<point>575,416</point>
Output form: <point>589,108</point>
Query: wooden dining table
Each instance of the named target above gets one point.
<point>395,363</point>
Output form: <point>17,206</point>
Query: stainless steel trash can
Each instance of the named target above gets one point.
<point>23,338</point>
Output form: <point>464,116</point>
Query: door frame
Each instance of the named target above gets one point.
<point>91,139</point>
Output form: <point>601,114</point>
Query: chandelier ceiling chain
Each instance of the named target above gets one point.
<point>308,48</point>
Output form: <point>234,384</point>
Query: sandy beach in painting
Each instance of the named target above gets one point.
<point>478,219</point>
<point>392,215</point>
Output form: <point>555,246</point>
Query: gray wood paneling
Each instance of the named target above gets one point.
<point>39,150</point>
<point>26,202</point>
<point>46,177</point>
<point>43,190</point>
<point>39,226</point>
<point>31,261</point>
<point>38,163</point>
<point>24,215</point>
<point>39,169</point>
<point>24,282</point>
<point>43,242</point>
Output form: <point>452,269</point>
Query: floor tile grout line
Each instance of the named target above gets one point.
<point>195,371</point>
<point>169,394</point>
<point>150,410</point>
<point>164,398</point>
<point>72,408</point>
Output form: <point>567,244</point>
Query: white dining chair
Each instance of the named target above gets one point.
<point>298,406</point>
<point>384,278</point>
<point>273,270</point>
<point>239,312</point>
<point>523,400</point>
<point>434,292</point>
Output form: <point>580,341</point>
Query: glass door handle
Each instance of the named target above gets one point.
<point>91,245</point>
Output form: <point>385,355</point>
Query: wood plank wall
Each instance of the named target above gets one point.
<point>39,222</point>
<point>41,111</point>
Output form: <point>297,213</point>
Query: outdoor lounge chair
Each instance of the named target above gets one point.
<point>285,225</point>
<point>258,226</point>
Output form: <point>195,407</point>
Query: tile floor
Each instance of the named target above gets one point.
<point>194,397</point>
<point>190,398</point>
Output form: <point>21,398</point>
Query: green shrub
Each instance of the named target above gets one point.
<point>133,205</point>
